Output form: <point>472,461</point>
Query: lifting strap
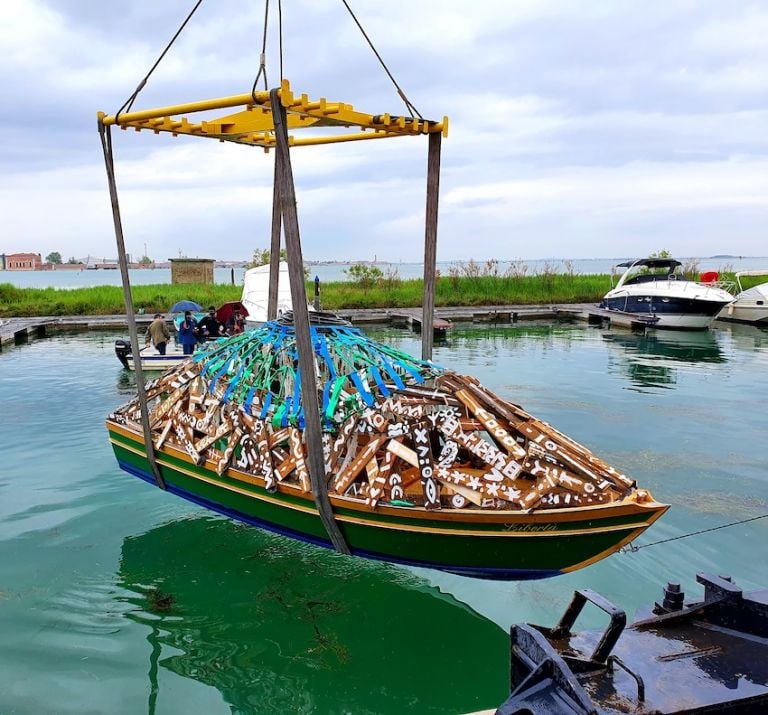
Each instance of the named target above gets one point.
<point>106,145</point>
<point>306,353</point>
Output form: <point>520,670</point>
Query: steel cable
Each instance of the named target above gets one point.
<point>129,102</point>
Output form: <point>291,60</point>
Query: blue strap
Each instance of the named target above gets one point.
<point>412,371</point>
<point>249,400</point>
<point>364,394</point>
<point>267,403</point>
<point>284,412</point>
<point>390,368</point>
<point>373,370</point>
<point>323,351</point>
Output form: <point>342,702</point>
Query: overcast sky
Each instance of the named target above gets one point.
<point>577,129</point>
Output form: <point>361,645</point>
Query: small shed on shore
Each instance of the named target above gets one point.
<point>191,270</point>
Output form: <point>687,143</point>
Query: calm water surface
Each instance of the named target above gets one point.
<point>337,271</point>
<point>115,597</point>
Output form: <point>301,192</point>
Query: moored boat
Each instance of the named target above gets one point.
<point>680,657</point>
<point>750,305</point>
<point>424,466</point>
<point>655,286</point>
<point>151,359</point>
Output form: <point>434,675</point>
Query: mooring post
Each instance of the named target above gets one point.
<point>274,246</point>
<point>312,428</point>
<point>430,245</point>
<point>106,145</point>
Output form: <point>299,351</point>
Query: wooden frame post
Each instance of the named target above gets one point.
<point>274,246</point>
<point>312,427</point>
<point>430,246</point>
<point>106,145</point>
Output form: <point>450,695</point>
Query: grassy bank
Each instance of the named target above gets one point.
<point>451,290</point>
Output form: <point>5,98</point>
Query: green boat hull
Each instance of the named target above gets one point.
<point>523,547</point>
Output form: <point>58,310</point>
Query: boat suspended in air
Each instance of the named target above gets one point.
<point>308,428</point>
<point>424,466</point>
<point>657,287</point>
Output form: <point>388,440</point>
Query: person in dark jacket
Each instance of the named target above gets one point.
<point>209,327</point>
<point>187,333</point>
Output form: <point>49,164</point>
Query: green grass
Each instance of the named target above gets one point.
<point>451,290</point>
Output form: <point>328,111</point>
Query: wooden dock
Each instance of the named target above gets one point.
<point>413,318</point>
<point>15,331</point>
<point>606,318</point>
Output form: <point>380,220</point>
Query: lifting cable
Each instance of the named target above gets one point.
<point>129,102</point>
<point>405,99</point>
<point>630,548</point>
<point>263,56</point>
<point>280,31</point>
<point>106,145</point>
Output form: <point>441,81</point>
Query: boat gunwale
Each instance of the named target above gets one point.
<point>626,507</point>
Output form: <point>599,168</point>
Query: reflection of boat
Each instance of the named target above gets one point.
<point>654,286</point>
<point>678,345</point>
<point>276,627</point>
<point>651,359</point>
<point>751,305</point>
<point>705,657</point>
<point>425,467</point>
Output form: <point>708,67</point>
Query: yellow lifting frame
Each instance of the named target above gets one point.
<point>254,124</point>
<point>266,120</point>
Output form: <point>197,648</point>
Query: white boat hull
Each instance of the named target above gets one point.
<point>152,360</point>
<point>678,304</point>
<point>750,306</point>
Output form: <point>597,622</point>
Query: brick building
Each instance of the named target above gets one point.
<point>22,261</point>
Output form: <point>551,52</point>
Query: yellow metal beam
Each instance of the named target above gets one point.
<point>254,124</point>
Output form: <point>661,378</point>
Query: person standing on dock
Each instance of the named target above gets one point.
<point>209,327</point>
<point>158,334</point>
<point>187,331</point>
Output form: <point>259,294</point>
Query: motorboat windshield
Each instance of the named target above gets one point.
<point>645,270</point>
<point>763,286</point>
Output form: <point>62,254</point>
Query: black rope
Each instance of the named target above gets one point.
<point>129,102</point>
<point>280,34</point>
<point>405,99</point>
<point>632,548</point>
<point>263,56</point>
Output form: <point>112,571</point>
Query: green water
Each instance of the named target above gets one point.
<point>116,597</point>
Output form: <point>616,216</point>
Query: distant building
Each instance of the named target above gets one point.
<point>191,270</point>
<point>22,261</point>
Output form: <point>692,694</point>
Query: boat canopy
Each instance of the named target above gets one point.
<point>254,124</point>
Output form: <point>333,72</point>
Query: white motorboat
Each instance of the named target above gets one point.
<point>150,358</point>
<point>751,305</point>
<point>657,287</point>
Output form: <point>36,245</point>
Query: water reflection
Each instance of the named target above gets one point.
<point>278,626</point>
<point>749,338</point>
<point>654,359</point>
